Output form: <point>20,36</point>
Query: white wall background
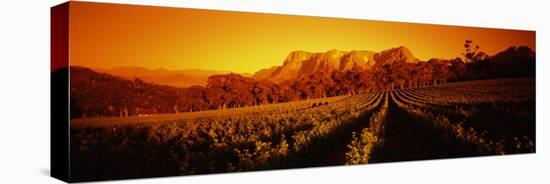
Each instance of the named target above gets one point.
<point>24,90</point>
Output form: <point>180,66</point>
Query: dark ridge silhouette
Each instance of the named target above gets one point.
<point>515,62</point>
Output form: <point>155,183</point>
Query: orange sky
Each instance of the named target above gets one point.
<point>107,35</point>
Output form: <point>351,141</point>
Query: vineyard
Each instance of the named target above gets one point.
<point>462,119</point>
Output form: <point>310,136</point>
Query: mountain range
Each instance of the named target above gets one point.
<point>176,78</point>
<point>301,63</point>
<point>296,65</point>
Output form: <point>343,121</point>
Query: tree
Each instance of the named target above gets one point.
<point>457,69</point>
<point>424,73</point>
<point>472,53</point>
<point>400,74</point>
<point>360,79</point>
<point>263,91</point>
<point>414,75</point>
<point>440,70</point>
<point>338,87</point>
<point>383,76</point>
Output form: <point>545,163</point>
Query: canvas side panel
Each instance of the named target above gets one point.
<point>59,122</point>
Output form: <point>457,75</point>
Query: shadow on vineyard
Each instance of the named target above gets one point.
<point>330,150</point>
<point>501,128</point>
<point>496,115</point>
<point>410,138</point>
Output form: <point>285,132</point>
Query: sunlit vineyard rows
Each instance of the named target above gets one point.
<point>489,117</point>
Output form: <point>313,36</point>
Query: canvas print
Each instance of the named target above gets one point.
<point>145,91</point>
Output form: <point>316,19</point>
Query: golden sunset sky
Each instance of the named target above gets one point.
<point>108,35</point>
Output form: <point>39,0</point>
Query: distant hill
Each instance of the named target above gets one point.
<point>176,78</point>
<point>301,63</point>
<point>94,94</point>
<point>516,61</point>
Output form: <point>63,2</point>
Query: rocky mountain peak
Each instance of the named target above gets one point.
<point>302,63</point>
<point>393,55</point>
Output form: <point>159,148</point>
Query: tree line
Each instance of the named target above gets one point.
<point>98,94</point>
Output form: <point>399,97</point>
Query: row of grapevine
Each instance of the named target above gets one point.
<point>364,142</point>
<point>452,120</point>
<point>463,121</point>
<point>265,138</point>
